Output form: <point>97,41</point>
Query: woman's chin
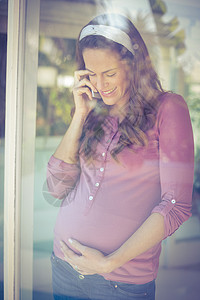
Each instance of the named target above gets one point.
<point>109,102</point>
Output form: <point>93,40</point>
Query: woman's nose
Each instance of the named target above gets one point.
<point>101,84</point>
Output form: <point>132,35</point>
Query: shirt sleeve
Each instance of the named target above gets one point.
<point>61,177</point>
<point>176,160</point>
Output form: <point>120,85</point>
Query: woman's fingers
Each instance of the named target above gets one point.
<point>83,90</point>
<point>81,80</point>
<point>66,250</point>
<point>80,74</point>
<point>78,246</point>
<point>86,82</point>
<point>84,87</point>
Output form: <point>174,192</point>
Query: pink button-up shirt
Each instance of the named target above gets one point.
<point>105,202</point>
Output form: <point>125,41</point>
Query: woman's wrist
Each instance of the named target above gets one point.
<point>113,261</point>
<point>79,117</point>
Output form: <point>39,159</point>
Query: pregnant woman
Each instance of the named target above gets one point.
<point>123,170</point>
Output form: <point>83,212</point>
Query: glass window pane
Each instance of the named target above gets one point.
<point>54,102</point>
<point>171,32</point>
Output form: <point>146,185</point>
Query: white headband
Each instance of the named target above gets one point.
<point>109,32</point>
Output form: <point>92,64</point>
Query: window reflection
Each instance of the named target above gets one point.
<point>170,30</point>
<point>56,66</point>
<point>55,82</point>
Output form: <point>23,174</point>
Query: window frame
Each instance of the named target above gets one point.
<point>21,98</point>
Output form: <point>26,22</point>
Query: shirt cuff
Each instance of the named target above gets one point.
<point>174,213</point>
<point>60,164</point>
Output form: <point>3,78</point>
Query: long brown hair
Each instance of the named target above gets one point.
<point>145,88</point>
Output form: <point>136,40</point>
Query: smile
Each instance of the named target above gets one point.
<point>106,93</point>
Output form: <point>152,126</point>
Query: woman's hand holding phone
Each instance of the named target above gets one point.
<point>68,149</point>
<point>84,93</point>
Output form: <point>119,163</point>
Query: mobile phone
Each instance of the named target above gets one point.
<point>96,95</point>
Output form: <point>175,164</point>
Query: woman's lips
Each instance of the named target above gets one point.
<point>108,93</point>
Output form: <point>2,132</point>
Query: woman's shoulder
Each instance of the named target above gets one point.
<point>172,113</point>
<point>172,103</point>
<point>171,99</point>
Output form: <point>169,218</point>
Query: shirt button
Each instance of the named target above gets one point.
<point>81,276</point>
<point>91,198</point>
<point>97,184</point>
<point>101,169</point>
<point>173,201</point>
<point>115,285</point>
<point>103,154</point>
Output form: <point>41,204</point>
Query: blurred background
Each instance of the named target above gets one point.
<point>171,30</point>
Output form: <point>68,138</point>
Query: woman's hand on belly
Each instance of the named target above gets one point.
<point>91,261</point>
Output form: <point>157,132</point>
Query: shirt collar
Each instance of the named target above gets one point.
<point>111,123</point>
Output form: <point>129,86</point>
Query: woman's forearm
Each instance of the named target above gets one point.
<point>69,146</point>
<point>148,235</point>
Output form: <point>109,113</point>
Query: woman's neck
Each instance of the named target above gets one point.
<point>119,112</point>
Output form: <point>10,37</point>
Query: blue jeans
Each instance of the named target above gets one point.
<point>69,284</point>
